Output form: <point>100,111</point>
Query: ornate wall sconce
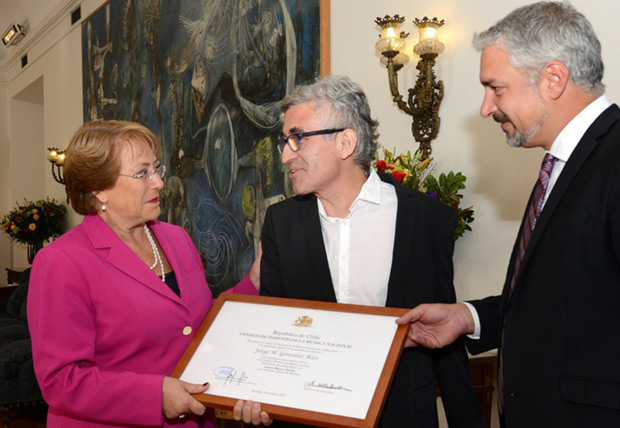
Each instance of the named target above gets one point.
<point>57,159</point>
<point>425,97</point>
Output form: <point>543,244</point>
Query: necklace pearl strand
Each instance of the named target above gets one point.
<point>155,253</point>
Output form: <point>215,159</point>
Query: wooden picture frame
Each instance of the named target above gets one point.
<point>325,38</point>
<point>297,415</point>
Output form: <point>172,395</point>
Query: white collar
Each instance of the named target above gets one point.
<point>569,137</point>
<point>370,192</point>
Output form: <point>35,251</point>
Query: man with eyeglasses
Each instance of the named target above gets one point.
<point>354,236</point>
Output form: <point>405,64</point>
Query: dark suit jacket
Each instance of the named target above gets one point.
<point>294,265</point>
<point>562,323</point>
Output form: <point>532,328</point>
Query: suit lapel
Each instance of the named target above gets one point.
<point>120,256</point>
<point>584,148</point>
<point>405,221</point>
<point>313,240</point>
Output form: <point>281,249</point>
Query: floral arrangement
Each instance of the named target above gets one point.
<point>34,222</point>
<point>416,173</point>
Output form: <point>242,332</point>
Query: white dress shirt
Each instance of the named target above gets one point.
<point>561,149</point>
<point>359,246</point>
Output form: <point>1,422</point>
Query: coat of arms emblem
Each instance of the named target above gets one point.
<point>303,321</point>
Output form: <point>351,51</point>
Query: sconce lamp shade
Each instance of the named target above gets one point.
<point>13,35</point>
<point>401,60</point>
<point>57,159</point>
<point>53,155</point>
<point>61,159</point>
<point>390,40</point>
<point>56,156</point>
<point>428,41</point>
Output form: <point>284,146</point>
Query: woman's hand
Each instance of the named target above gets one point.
<point>176,398</point>
<point>250,412</point>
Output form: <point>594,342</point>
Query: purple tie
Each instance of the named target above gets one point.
<point>533,212</point>
<point>526,233</point>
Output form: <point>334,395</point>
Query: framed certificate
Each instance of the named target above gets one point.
<point>317,363</point>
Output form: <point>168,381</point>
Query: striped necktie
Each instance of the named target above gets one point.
<point>533,212</point>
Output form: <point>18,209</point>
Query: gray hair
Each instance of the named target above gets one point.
<point>347,108</point>
<point>537,34</point>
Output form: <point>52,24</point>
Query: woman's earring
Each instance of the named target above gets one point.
<point>103,207</point>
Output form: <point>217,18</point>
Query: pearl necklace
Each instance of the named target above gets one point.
<point>155,253</point>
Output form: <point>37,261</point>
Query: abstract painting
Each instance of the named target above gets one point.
<point>207,77</point>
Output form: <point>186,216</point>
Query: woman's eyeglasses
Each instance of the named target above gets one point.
<point>142,175</point>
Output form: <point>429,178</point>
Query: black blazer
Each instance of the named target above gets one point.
<point>294,265</point>
<point>562,323</point>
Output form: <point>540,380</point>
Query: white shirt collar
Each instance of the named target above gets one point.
<point>569,137</point>
<point>370,192</point>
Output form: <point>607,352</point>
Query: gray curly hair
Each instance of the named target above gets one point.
<point>348,108</point>
<point>542,32</point>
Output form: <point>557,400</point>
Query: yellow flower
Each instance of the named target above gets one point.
<point>13,228</point>
<point>35,210</point>
<point>424,164</point>
<point>36,216</point>
<point>32,226</point>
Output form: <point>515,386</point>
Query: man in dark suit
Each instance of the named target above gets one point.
<point>557,321</point>
<point>353,236</point>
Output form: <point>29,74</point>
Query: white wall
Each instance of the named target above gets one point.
<point>43,109</point>
<point>26,166</point>
<point>499,178</point>
<point>59,67</point>
<point>4,175</point>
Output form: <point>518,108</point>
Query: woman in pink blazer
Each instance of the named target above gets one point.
<point>114,302</point>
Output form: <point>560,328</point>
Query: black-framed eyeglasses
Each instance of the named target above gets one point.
<point>294,140</point>
<point>142,175</point>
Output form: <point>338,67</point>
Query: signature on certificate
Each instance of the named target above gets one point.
<point>324,385</point>
<point>235,379</point>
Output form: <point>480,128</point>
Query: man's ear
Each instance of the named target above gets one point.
<point>554,78</point>
<point>347,143</point>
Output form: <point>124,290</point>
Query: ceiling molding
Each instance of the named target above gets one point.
<point>36,35</point>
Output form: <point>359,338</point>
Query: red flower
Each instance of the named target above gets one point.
<point>381,166</point>
<point>399,176</point>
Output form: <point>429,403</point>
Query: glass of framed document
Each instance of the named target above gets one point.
<point>317,363</point>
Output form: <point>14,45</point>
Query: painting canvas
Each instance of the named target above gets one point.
<point>207,77</point>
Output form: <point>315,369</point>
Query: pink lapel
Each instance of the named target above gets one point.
<point>179,259</point>
<point>123,258</point>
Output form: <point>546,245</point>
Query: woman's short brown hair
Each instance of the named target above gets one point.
<point>93,161</point>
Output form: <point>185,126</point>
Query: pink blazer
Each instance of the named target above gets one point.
<point>106,330</point>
